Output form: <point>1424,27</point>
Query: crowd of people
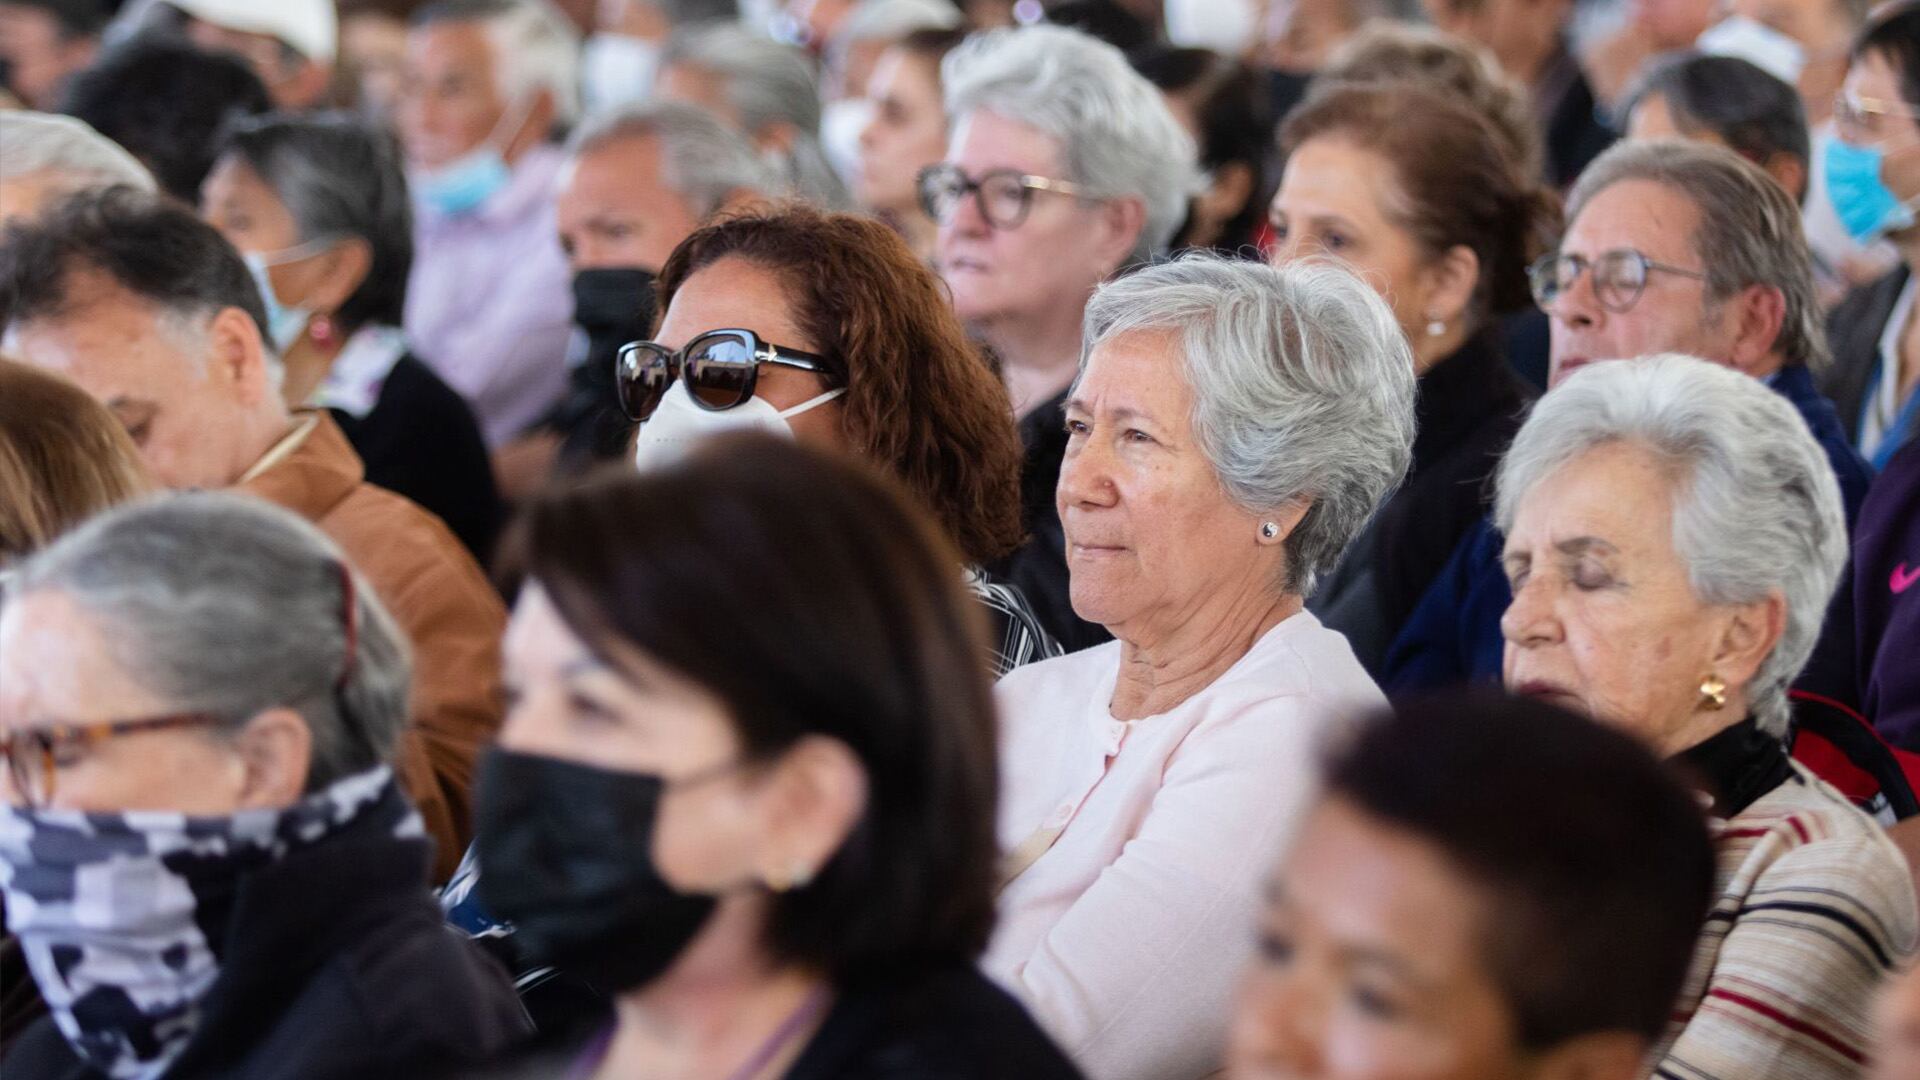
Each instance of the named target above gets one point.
<point>1126,539</point>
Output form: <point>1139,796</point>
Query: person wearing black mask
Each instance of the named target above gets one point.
<point>638,181</point>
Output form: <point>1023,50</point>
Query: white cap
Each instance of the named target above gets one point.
<point>310,27</point>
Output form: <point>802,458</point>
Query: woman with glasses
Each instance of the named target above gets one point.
<point>1873,181</point>
<point>205,856</point>
<point>1064,167</point>
<point>1424,199</point>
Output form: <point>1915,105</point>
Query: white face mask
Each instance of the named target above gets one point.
<point>840,126</point>
<point>678,424</point>
<point>1225,26</point>
<point>617,70</point>
<point>1757,43</point>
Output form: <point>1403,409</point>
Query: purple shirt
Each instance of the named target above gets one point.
<point>490,300</point>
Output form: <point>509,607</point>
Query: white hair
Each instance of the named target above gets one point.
<point>1117,137</point>
<point>66,150</point>
<point>1756,509</point>
<point>228,605</point>
<point>1302,384</point>
<point>535,47</point>
<point>888,20</point>
<point>700,157</point>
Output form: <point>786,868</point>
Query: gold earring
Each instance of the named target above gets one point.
<point>1713,693</point>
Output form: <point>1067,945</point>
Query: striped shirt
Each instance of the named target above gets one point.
<point>1814,907</point>
<point>1016,637</point>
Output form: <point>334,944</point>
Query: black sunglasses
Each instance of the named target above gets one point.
<point>720,368</point>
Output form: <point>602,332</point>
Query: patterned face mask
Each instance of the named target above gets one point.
<point>122,916</point>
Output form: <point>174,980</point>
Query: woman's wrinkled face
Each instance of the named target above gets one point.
<point>1604,619</point>
<point>908,132</point>
<point>1372,965</point>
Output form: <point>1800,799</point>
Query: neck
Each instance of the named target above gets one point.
<point>709,1024</point>
<point>307,364</point>
<point>1159,672</point>
<point>1429,351</point>
<point>1039,356</point>
<point>1703,725</point>
<point>257,432</point>
<point>1527,59</point>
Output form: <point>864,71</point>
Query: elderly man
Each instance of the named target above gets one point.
<point>1669,247</point>
<point>150,311</point>
<point>485,82</point>
<point>42,42</point>
<point>50,157</point>
<point>290,44</point>
<point>637,182</point>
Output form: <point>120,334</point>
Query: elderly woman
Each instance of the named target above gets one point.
<point>203,851</point>
<point>1232,427</point>
<point>747,786</point>
<point>1673,532</point>
<point>318,207</point>
<point>1065,165</point>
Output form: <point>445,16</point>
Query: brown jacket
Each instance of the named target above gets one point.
<point>437,594</point>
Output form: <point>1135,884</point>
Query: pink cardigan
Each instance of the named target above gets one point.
<point>1127,936</point>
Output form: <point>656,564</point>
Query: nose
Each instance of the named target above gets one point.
<point>1529,620</point>
<point>1086,477</point>
<point>967,220</point>
<point>1578,306</point>
<point>1274,1033</point>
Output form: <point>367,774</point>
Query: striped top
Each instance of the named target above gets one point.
<point>1813,908</point>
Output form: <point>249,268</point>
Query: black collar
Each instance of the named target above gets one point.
<point>1738,766</point>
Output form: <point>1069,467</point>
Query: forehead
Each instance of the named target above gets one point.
<point>734,294</point>
<point>1138,370</point>
<point>1652,218</point>
<point>622,173</point>
<point>107,339</point>
<point>985,140</point>
<point>55,663</point>
<point>1618,491</point>
<point>1332,174</point>
<point>452,45</point>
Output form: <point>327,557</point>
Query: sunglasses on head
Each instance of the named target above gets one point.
<point>720,368</point>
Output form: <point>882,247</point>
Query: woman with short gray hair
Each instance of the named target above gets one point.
<point>204,852</point>
<point>318,207</point>
<point>1673,533</point>
<point>1232,428</point>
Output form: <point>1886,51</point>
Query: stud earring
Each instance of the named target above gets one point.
<point>1436,327</point>
<point>1269,529</point>
<point>1713,693</point>
<point>321,330</point>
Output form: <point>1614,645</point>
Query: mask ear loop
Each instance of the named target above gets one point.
<point>813,403</point>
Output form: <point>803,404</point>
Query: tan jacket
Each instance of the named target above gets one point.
<point>437,594</point>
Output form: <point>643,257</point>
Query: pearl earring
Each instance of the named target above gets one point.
<point>1436,327</point>
<point>1269,530</point>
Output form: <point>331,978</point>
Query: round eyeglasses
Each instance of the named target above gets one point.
<point>720,367</point>
<point>34,756</point>
<point>1003,196</point>
<point>1619,277</point>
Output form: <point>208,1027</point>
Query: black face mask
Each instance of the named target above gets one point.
<point>614,305</point>
<point>566,856</point>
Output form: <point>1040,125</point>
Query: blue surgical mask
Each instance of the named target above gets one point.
<point>284,322</point>
<point>1862,201</point>
<point>462,185</point>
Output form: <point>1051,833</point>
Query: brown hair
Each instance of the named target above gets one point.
<point>921,401</point>
<point>1459,184</point>
<point>63,458</point>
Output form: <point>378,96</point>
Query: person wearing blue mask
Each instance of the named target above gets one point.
<point>484,84</point>
<point>1873,173</point>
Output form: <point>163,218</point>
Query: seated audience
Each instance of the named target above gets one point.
<point>622,55</point>
<point>747,785</point>
<point>318,208</point>
<point>204,853</point>
<point>42,44</point>
<point>1724,101</point>
<point>153,314</point>
<point>1651,29</point>
<point>1669,247</point>
<point>63,459</point>
<point>1873,180</point>
<point>1232,428</point>
<point>50,157</point>
<point>1446,915</point>
<point>1065,166</point>
<point>1421,198</point>
<point>907,134</point>
<point>848,62</point>
<point>165,101</point>
<point>1673,532</point>
<point>485,81</point>
<point>1222,104</point>
<point>290,44</point>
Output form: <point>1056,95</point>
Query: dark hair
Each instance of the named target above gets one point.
<point>920,402</point>
<point>1235,110</point>
<point>1595,857</point>
<point>339,176</point>
<point>1107,20</point>
<point>932,45</point>
<point>75,18</point>
<point>152,246</point>
<point>1460,183</point>
<point>1894,33</point>
<point>1747,108</point>
<point>804,590</point>
<point>165,101</point>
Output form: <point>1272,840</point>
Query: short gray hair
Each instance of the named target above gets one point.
<point>1302,386</point>
<point>535,47</point>
<point>224,604</point>
<point>1749,234</point>
<point>1756,509</point>
<point>1117,137</point>
<point>78,156</point>
<point>700,157</point>
<point>767,83</point>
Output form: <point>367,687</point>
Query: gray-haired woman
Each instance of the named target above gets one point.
<point>1232,427</point>
<point>203,850</point>
<point>1673,532</point>
<point>318,207</point>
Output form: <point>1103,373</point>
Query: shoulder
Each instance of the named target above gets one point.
<point>409,554</point>
<point>946,1024</point>
<point>1050,683</point>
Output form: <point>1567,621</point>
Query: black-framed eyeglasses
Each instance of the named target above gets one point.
<point>1003,195</point>
<point>721,368</point>
<point>1619,277</point>
<point>34,755</point>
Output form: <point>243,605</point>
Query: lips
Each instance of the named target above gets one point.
<point>1543,690</point>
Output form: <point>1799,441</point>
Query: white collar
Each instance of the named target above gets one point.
<point>360,372</point>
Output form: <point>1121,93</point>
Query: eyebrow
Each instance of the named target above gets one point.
<point>1122,412</point>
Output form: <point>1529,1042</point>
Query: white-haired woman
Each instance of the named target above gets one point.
<point>1232,427</point>
<point>1673,532</point>
<point>1064,166</point>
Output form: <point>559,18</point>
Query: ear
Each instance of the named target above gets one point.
<point>341,271</point>
<point>276,749</point>
<point>1122,221</point>
<point>238,357</point>
<point>1790,172</point>
<point>1758,312</point>
<point>816,796</point>
<point>1751,632</point>
<point>1450,281</point>
<point>1600,1055</point>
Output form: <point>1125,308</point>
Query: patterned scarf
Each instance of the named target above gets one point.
<point>122,916</point>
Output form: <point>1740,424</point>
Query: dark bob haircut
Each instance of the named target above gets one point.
<point>1594,856</point>
<point>812,598</point>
